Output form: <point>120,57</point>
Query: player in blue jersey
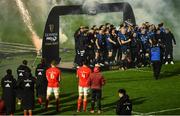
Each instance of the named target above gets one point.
<point>109,45</point>
<point>156,58</point>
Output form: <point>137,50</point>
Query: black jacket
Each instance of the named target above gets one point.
<point>169,39</point>
<point>124,106</point>
<point>8,84</point>
<point>41,80</point>
<point>27,84</point>
<point>22,69</point>
<point>40,72</point>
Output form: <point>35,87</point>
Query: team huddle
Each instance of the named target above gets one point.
<point>126,46</point>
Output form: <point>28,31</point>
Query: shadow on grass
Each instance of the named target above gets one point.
<point>65,107</point>
<point>52,110</point>
<point>66,98</point>
<point>109,106</point>
<point>168,74</point>
<point>138,100</point>
<point>121,80</point>
<point>112,106</point>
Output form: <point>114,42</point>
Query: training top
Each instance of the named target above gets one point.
<point>21,70</point>
<point>83,75</point>
<point>96,80</point>
<point>53,76</point>
<point>155,53</point>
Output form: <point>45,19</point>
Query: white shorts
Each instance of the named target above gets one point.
<point>83,90</point>
<point>54,90</point>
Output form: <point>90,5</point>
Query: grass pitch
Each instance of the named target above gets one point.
<point>149,96</point>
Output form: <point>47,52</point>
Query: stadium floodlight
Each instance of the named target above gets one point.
<point>50,45</point>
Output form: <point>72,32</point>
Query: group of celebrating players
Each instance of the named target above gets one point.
<point>126,46</point>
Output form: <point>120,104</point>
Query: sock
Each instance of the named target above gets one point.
<point>84,105</point>
<point>92,104</point>
<point>40,101</point>
<point>79,104</point>
<point>25,113</point>
<point>30,112</point>
<point>57,105</point>
<point>46,105</point>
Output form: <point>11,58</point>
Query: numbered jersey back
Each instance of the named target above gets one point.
<point>83,74</point>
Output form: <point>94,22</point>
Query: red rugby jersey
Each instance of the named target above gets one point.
<point>83,75</point>
<point>53,75</point>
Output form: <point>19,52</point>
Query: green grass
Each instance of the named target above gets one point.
<point>147,94</point>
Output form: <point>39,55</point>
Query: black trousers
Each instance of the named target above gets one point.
<point>156,68</point>
<point>169,53</point>
<point>119,55</point>
<point>81,56</point>
<point>41,87</point>
<point>76,56</point>
<point>114,54</point>
<point>90,55</point>
<point>96,97</point>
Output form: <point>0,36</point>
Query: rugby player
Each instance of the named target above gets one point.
<point>41,83</point>
<point>109,44</point>
<point>53,75</point>
<point>83,75</point>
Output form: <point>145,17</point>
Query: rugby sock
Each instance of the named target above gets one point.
<point>57,105</point>
<point>40,101</point>
<point>46,105</point>
<point>84,105</point>
<point>92,104</point>
<point>25,113</point>
<point>30,112</point>
<point>79,104</point>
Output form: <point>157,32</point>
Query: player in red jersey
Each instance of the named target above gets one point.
<point>83,75</point>
<point>53,75</point>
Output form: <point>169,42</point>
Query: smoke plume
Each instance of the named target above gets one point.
<point>28,22</point>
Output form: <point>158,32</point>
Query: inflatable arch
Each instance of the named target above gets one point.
<point>50,45</point>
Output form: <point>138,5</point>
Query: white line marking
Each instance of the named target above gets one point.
<point>150,113</point>
<point>139,70</point>
<point>161,111</point>
<point>137,113</point>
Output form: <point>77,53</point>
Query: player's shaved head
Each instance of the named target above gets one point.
<point>53,63</point>
<point>25,62</point>
<point>9,71</point>
<point>43,60</point>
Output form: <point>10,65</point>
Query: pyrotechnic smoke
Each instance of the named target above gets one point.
<point>28,22</point>
<point>145,10</point>
<point>63,37</point>
<point>157,11</point>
